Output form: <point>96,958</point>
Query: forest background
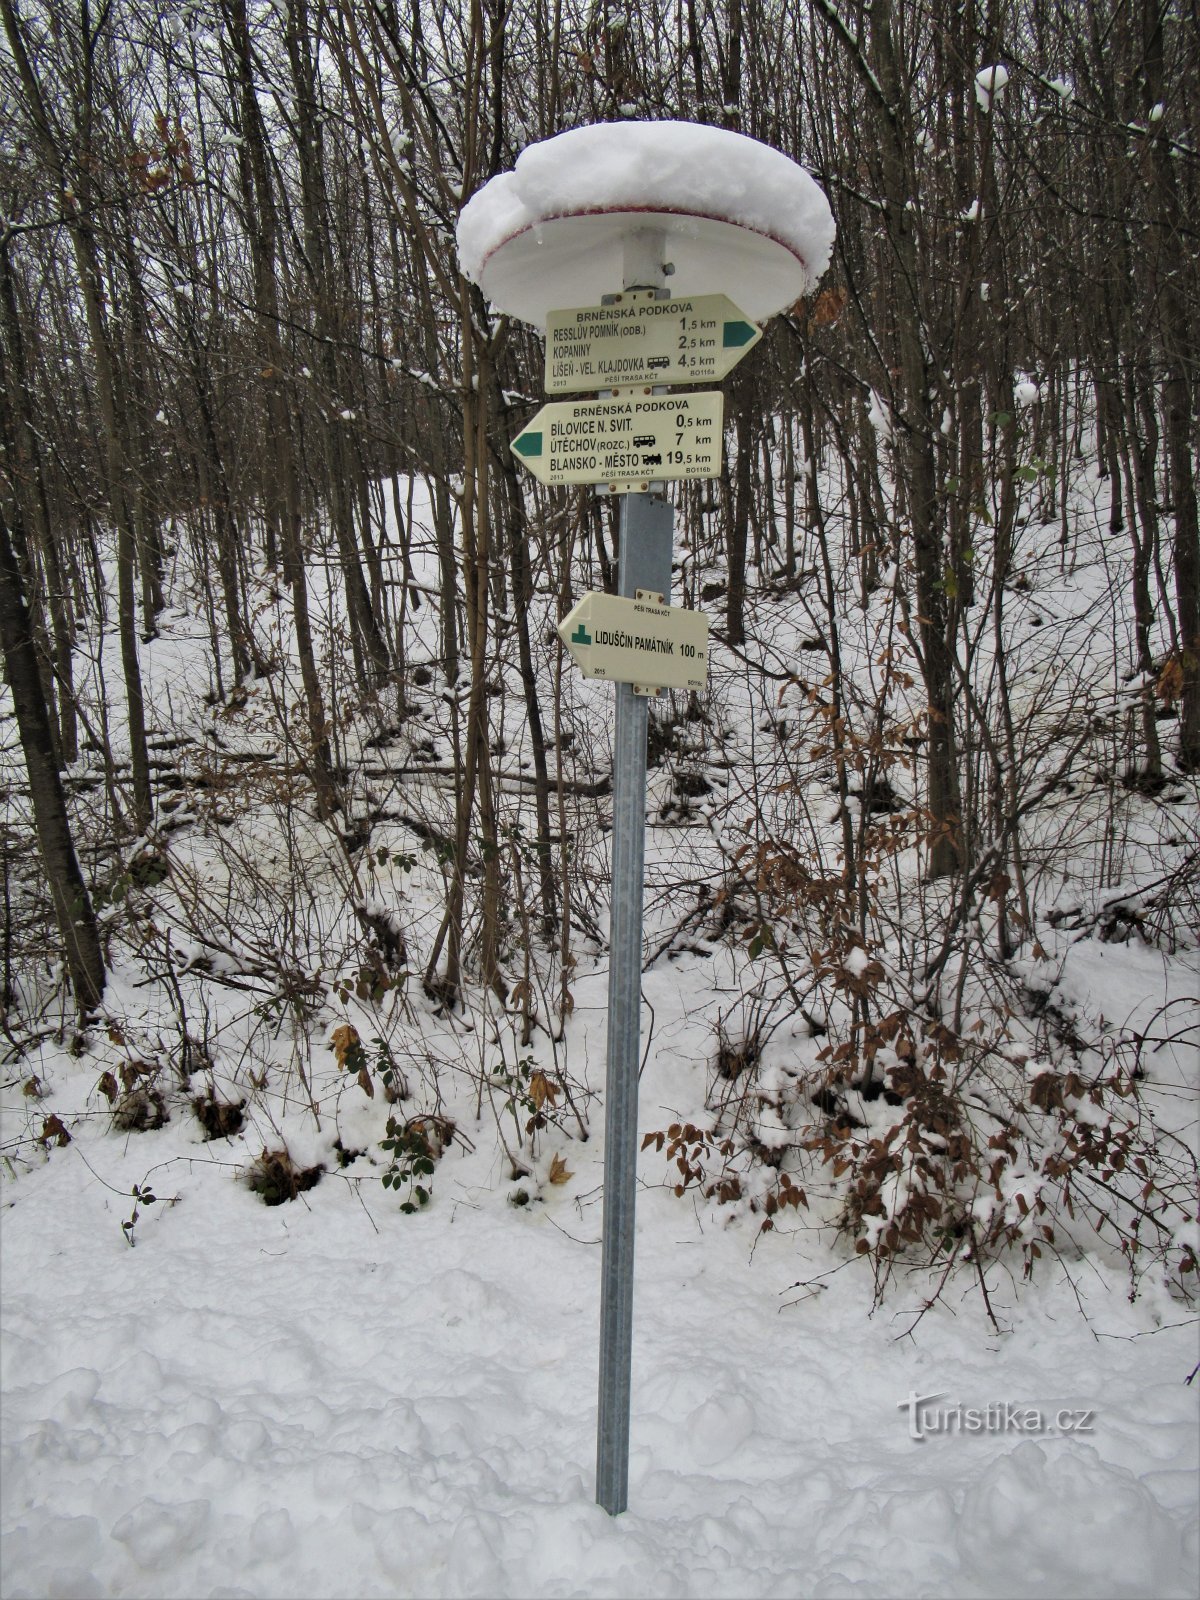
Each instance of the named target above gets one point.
<point>244,383</point>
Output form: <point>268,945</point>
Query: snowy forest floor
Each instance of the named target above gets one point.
<point>334,1398</point>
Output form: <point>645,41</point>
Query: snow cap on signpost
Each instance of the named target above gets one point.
<point>734,215</point>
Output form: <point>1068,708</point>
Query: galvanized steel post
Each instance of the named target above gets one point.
<point>647,524</point>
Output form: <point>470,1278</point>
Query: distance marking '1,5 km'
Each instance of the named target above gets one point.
<point>642,338</point>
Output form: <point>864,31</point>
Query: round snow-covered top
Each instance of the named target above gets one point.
<point>732,216</point>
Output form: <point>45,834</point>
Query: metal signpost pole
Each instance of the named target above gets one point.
<point>646,538</point>
<point>645,563</point>
<point>635,436</point>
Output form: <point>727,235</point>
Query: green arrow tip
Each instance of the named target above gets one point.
<point>528,444</point>
<point>737,334</point>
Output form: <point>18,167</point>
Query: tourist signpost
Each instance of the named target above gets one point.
<point>642,641</point>
<point>582,209</point>
<point>627,439</point>
<point>630,440</point>
<point>643,337</point>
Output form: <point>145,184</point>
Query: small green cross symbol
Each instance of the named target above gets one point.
<point>581,635</point>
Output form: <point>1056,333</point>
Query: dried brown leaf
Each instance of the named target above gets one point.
<point>344,1039</point>
<point>543,1091</point>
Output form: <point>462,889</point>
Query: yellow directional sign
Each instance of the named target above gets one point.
<point>640,338</point>
<point>631,439</point>
<point>642,641</point>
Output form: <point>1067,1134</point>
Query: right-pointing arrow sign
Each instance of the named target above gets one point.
<point>641,338</point>
<point>736,334</point>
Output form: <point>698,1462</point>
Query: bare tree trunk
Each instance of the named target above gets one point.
<point>72,904</point>
<point>368,635</point>
<point>476,780</point>
<point>27,471</point>
<point>738,526</point>
<point>916,453</point>
<point>284,507</point>
<point>1138,451</point>
<point>79,181</point>
<point>522,596</point>
<point>1175,246</point>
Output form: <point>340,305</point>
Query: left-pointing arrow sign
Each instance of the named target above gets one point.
<point>637,641</point>
<point>632,437</point>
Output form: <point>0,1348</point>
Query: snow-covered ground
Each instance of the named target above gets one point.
<point>332,1398</point>
<point>329,1398</point>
